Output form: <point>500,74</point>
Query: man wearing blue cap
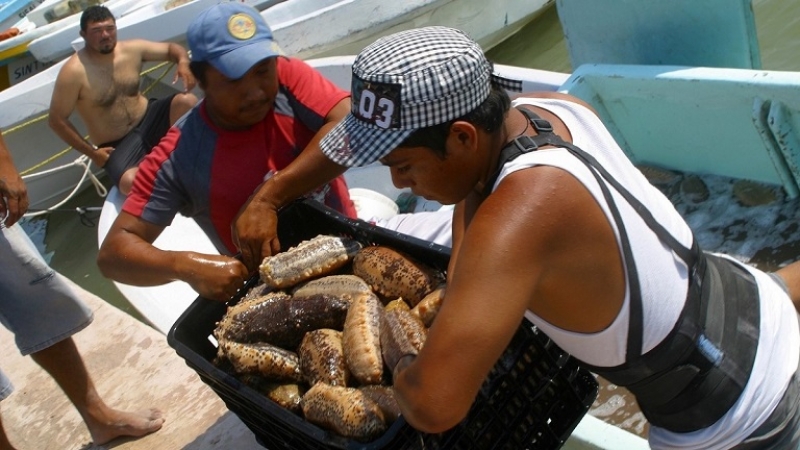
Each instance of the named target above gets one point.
<point>262,111</point>
<point>251,145</point>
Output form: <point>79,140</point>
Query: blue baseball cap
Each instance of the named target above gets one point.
<point>232,37</point>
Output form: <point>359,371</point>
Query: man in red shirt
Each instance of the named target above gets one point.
<point>263,115</point>
<point>250,147</point>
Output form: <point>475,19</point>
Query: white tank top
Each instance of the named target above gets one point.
<point>663,280</point>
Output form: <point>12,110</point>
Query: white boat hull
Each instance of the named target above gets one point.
<point>345,27</point>
<point>13,11</point>
<point>49,39</point>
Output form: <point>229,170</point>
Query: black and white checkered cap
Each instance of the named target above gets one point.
<point>405,81</point>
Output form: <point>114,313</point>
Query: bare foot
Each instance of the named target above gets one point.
<point>118,424</point>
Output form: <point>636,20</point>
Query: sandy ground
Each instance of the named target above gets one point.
<point>133,368</point>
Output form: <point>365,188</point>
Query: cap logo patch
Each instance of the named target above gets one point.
<point>375,103</point>
<point>241,26</point>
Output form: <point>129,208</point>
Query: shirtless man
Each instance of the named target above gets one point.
<point>101,81</point>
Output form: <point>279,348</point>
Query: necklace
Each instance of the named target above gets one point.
<point>527,124</point>
<point>480,188</point>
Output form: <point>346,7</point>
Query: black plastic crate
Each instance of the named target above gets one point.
<point>533,398</point>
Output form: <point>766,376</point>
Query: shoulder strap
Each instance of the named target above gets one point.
<point>546,136</point>
<point>551,138</point>
<point>523,144</point>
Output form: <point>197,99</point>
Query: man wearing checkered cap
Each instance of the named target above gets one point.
<point>553,223</point>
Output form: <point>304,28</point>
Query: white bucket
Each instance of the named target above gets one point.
<point>371,205</point>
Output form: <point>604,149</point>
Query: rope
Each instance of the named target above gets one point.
<point>84,161</point>
<point>28,172</point>
<point>161,77</point>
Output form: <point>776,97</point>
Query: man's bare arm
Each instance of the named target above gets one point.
<point>181,58</point>
<point>62,103</point>
<point>13,192</point>
<point>791,278</point>
<point>170,51</point>
<point>255,229</point>
<point>128,256</point>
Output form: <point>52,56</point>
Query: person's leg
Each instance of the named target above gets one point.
<point>124,161</point>
<point>180,104</point>
<point>63,362</point>
<point>126,181</point>
<point>42,311</point>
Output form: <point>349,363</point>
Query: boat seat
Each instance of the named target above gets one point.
<point>729,122</point>
<point>711,33</point>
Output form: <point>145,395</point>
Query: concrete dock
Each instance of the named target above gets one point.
<point>133,369</point>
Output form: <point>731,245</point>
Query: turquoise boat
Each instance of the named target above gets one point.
<point>689,80</point>
<point>12,11</point>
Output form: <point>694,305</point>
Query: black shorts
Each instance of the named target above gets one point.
<point>130,150</point>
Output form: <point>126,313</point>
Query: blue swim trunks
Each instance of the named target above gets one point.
<point>130,150</point>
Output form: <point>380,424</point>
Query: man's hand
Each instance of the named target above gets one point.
<point>216,277</point>
<point>13,194</point>
<point>183,73</point>
<point>255,229</point>
<point>255,233</point>
<point>100,156</point>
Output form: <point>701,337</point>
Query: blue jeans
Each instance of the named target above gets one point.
<point>35,303</point>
